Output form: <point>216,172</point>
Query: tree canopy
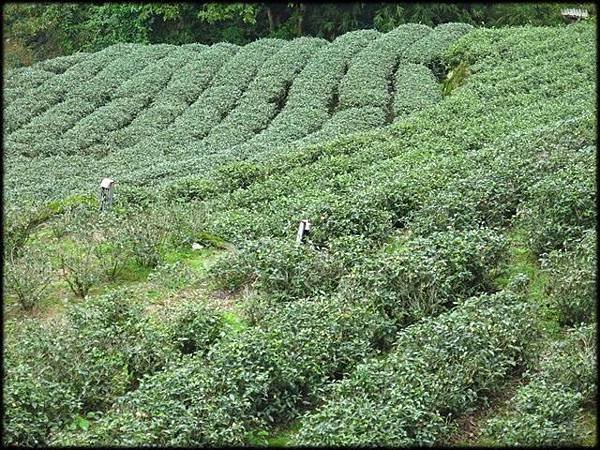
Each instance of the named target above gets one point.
<point>37,31</point>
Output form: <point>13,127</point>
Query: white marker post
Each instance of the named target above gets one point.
<point>106,194</point>
<point>303,230</point>
<point>575,13</point>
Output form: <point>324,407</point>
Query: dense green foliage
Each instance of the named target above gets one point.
<point>573,287</point>
<point>438,369</point>
<point>99,351</point>
<point>389,322</point>
<point>544,410</point>
<point>39,31</point>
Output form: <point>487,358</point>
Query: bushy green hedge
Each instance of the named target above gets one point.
<point>183,88</point>
<point>430,49</point>
<point>82,363</point>
<point>265,97</point>
<point>19,82</point>
<point>227,87</point>
<point>49,94</point>
<point>284,270</point>
<point>415,88</point>
<point>367,81</point>
<point>439,368</point>
<point>250,379</point>
<point>572,288</point>
<point>311,97</point>
<point>62,63</point>
<point>95,93</point>
<point>562,204</point>
<point>544,411</point>
<point>422,276</point>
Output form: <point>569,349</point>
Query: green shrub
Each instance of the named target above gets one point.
<point>431,49</point>
<point>439,368</point>
<point>28,277</point>
<point>368,78</point>
<point>561,205</point>
<point>572,288</point>
<point>249,379</point>
<point>18,225</point>
<point>80,270</point>
<point>91,357</point>
<point>544,411</point>
<point>36,405</point>
<point>415,89</point>
<point>283,270</point>
<point>419,277</point>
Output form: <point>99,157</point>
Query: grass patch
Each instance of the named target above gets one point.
<point>520,259</point>
<point>589,428</point>
<point>455,78</point>
<point>199,260</point>
<point>235,322</point>
<point>280,436</point>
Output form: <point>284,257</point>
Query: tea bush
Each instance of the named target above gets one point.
<point>420,277</point>
<point>407,220</point>
<point>416,88</point>
<point>429,50</point>
<point>572,290</point>
<point>62,63</point>
<point>184,86</point>
<point>221,97</point>
<point>438,369</point>
<point>249,379</point>
<point>21,81</point>
<point>562,205</point>
<point>28,277</point>
<point>544,411</point>
<point>280,269</point>
<point>367,81</point>
<point>99,351</point>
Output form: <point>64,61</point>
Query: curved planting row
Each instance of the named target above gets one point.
<point>221,97</point>
<point>364,92</point>
<point>62,63</point>
<point>313,95</point>
<point>545,411</point>
<point>215,103</point>
<point>129,100</point>
<point>265,96</point>
<point>94,355</point>
<point>368,78</point>
<point>183,88</point>
<point>19,82</point>
<point>268,373</point>
<point>439,369</point>
<point>81,102</point>
<point>57,88</point>
<point>306,109</point>
<point>416,88</point>
<point>430,49</point>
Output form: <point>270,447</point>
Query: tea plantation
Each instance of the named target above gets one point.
<point>445,294</point>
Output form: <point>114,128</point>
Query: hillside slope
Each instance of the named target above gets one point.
<point>181,109</point>
<point>452,240</point>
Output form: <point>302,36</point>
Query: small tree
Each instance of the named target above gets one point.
<point>28,277</point>
<point>113,248</point>
<point>80,271</point>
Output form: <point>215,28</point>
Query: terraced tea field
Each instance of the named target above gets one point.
<point>448,278</point>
